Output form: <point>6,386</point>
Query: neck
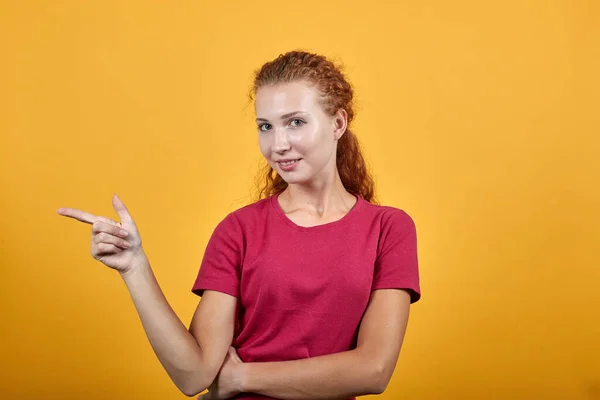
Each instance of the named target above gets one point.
<point>318,199</point>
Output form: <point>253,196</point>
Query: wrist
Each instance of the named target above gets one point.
<point>242,377</point>
<point>139,263</point>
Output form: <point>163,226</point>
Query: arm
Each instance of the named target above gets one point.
<point>362,371</point>
<point>191,358</point>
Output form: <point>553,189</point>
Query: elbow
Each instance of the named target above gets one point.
<point>191,385</point>
<point>381,379</point>
<point>190,390</point>
<point>379,389</point>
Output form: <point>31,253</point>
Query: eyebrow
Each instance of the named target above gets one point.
<point>284,116</point>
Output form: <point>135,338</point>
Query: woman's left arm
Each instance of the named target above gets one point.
<point>361,371</point>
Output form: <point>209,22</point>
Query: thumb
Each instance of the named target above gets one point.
<point>121,210</point>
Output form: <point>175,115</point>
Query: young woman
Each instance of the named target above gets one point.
<point>305,292</point>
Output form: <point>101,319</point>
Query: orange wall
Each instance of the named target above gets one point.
<point>481,119</point>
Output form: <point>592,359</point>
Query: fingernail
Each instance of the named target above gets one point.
<point>123,233</point>
<point>126,244</point>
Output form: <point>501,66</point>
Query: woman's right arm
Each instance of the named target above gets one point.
<point>192,358</point>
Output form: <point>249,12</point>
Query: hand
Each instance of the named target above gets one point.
<point>117,245</point>
<point>228,382</point>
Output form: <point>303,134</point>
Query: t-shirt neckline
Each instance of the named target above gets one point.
<point>329,225</point>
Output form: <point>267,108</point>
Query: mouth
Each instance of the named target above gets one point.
<point>288,165</point>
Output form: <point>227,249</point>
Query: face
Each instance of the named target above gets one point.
<point>292,125</point>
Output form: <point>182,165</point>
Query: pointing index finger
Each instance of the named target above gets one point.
<point>79,215</point>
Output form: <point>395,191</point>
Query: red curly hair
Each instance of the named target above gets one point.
<point>337,93</point>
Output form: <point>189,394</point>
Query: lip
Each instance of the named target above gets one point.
<point>288,167</point>
<point>288,159</point>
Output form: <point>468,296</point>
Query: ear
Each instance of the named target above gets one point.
<point>340,123</point>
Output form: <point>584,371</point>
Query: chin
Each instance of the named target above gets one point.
<point>294,180</point>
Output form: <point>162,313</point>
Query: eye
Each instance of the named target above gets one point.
<point>298,122</point>
<point>264,127</point>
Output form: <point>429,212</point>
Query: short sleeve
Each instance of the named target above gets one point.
<point>220,267</point>
<point>396,265</point>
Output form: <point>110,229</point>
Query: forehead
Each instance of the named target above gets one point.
<point>275,100</point>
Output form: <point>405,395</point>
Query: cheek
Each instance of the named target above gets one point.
<point>304,140</point>
<point>264,146</point>
<point>311,144</point>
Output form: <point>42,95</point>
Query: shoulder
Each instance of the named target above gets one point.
<point>247,216</point>
<point>235,228</point>
<point>390,217</point>
<point>252,212</point>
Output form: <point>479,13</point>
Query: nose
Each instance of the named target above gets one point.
<point>280,141</point>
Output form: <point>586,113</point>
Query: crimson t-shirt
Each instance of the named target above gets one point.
<point>303,290</point>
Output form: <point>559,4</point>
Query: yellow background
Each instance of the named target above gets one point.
<point>480,119</point>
